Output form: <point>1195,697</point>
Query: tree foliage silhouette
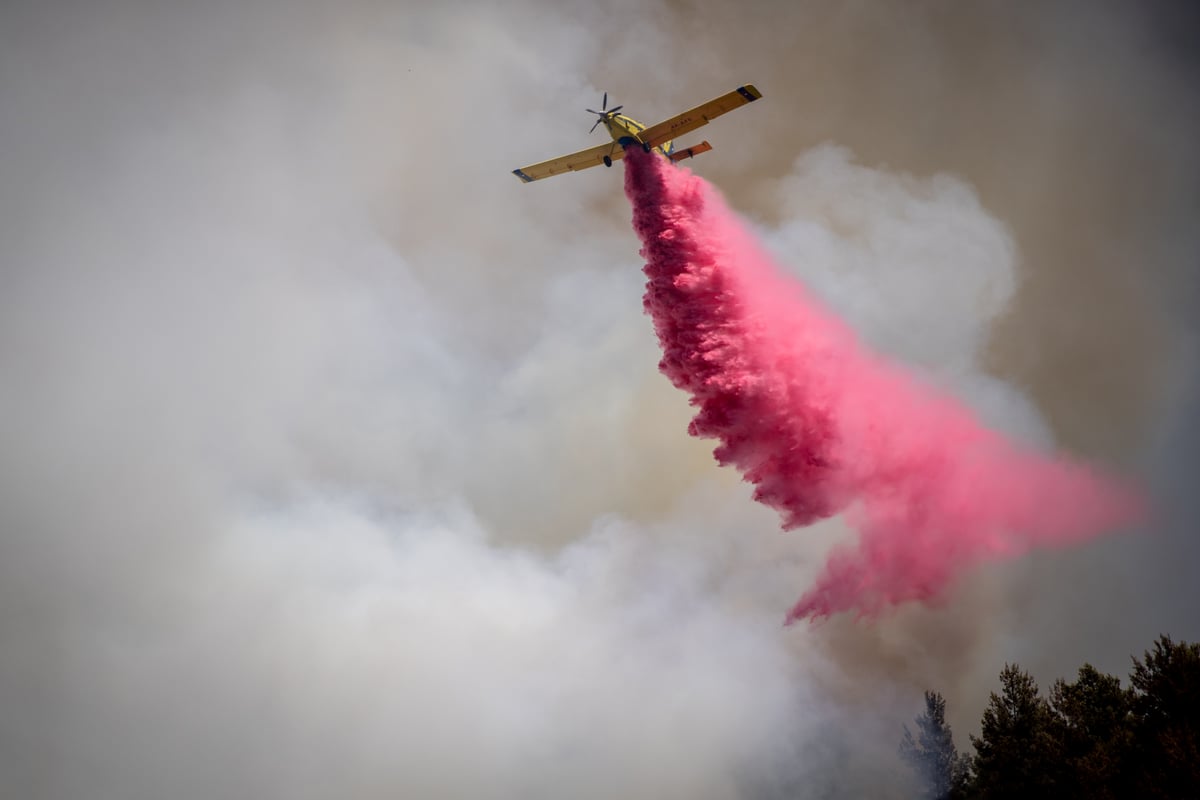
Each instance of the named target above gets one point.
<point>1166,710</point>
<point>1015,753</point>
<point>1090,738</point>
<point>1092,725</point>
<point>932,755</point>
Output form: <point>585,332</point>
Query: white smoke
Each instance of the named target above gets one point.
<point>336,461</point>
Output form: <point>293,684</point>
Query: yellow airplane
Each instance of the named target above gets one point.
<point>627,131</point>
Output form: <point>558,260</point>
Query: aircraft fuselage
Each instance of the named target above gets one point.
<point>627,130</point>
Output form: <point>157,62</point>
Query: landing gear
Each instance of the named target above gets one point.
<point>608,161</point>
<point>645,147</point>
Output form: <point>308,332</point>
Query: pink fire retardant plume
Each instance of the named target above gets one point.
<point>820,425</point>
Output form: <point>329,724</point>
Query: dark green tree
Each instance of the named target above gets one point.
<point>931,753</point>
<point>1016,754</point>
<point>1166,710</point>
<point>1092,726</point>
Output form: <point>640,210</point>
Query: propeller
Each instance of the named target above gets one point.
<point>603,114</point>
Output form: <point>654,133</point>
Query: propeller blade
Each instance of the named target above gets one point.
<point>605,103</point>
<point>597,122</point>
<point>612,111</point>
<point>593,111</point>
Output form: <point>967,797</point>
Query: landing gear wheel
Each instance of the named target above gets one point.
<point>608,161</point>
<point>645,147</point>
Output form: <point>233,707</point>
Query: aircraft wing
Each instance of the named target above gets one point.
<point>700,115</point>
<point>592,157</point>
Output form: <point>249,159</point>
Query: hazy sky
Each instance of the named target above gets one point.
<point>334,460</point>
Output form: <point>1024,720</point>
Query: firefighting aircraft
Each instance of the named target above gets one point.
<point>627,131</point>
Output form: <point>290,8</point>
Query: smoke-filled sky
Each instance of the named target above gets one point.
<point>335,461</point>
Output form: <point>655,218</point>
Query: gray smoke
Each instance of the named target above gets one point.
<point>335,459</point>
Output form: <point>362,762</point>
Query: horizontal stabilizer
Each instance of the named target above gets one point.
<point>689,152</point>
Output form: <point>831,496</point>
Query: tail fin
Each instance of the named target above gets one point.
<point>689,152</point>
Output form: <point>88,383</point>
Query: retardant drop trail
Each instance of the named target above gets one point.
<point>819,425</point>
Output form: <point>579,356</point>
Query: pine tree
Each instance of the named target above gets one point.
<point>1166,708</point>
<point>1015,754</point>
<point>1092,725</point>
<point>932,755</point>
